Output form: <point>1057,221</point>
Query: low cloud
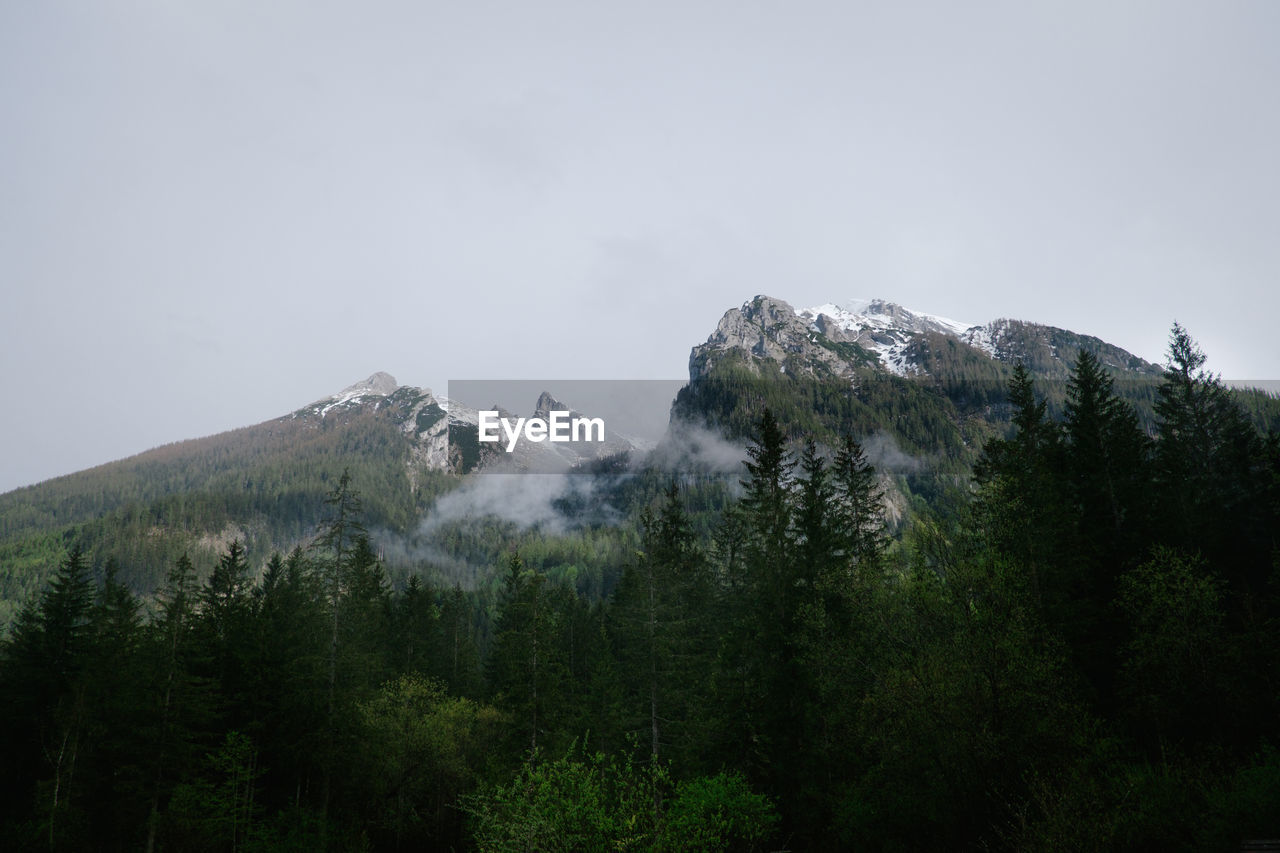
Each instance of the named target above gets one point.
<point>884,455</point>
<point>526,500</point>
<point>691,448</point>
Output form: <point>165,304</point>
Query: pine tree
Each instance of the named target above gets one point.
<point>524,672</point>
<point>457,657</point>
<point>1021,506</point>
<point>820,537</point>
<point>224,598</point>
<point>1106,476</point>
<point>416,627</point>
<point>63,634</point>
<point>1210,470</point>
<point>660,611</point>
<point>182,701</point>
<point>287,677</point>
<point>757,699</point>
<point>113,781</point>
<point>859,506</point>
<point>367,637</point>
<point>1106,455</point>
<point>333,551</point>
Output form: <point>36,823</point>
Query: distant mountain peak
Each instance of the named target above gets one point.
<point>546,404</point>
<point>378,385</point>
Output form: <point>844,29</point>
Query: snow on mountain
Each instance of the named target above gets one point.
<point>842,339</point>
<point>887,329</point>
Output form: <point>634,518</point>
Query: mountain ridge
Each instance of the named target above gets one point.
<point>843,339</point>
<point>929,387</point>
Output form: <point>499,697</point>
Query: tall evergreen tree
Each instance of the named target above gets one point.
<point>1022,507</point>
<point>225,608</point>
<point>45,691</point>
<point>182,701</point>
<point>1210,471</point>
<point>333,552</point>
<point>525,672</point>
<point>820,536</point>
<point>1106,479</point>
<point>859,506</point>
<point>663,640</point>
<point>1106,458</point>
<point>759,697</point>
<point>287,679</point>
<point>457,660</point>
<point>114,779</point>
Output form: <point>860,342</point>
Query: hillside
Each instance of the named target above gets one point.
<point>263,485</point>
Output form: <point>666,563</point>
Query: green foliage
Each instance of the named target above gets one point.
<point>218,811</point>
<point>423,749</point>
<point>1176,661</point>
<point>570,803</point>
<point>591,802</point>
<point>718,812</point>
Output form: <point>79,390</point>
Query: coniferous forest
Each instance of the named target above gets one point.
<point>1077,650</point>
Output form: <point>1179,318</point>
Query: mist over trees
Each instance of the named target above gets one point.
<point>1078,651</point>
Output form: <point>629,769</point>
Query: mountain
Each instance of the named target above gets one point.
<point>922,392</point>
<point>934,383</point>
<point>263,484</point>
<point>842,341</point>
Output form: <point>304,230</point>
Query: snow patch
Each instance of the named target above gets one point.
<point>884,328</point>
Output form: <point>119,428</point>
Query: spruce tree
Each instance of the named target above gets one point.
<point>44,688</point>
<point>1022,508</point>
<point>1106,479</point>
<point>757,698</point>
<point>859,506</point>
<point>333,551</point>
<point>524,671</point>
<point>1210,471</point>
<point>660,614</point>
<point>181,706</point>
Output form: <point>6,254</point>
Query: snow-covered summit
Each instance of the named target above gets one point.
<point>884,328</point>
<point>883,315</point>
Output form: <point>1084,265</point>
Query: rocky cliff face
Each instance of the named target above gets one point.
<point>768,328</point>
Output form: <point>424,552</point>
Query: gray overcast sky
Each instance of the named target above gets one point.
<point>212,213</point>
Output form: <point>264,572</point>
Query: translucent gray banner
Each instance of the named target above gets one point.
<point>529,426</point>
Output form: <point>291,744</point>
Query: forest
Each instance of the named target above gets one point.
<point>1076,649</point>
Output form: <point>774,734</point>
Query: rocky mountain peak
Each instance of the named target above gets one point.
<point>547,404</point>
<point>843,339</point>
<point>381,384</point>
<point>764,328</point>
